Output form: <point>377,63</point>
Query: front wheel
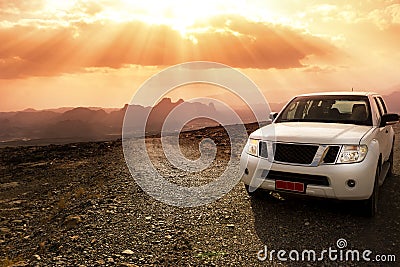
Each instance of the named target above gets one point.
<point>250,190</point>
<point>371,204</point>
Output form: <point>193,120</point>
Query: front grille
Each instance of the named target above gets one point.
<point>307,179</point>
<point>295,153</point>
<point>331,155</point>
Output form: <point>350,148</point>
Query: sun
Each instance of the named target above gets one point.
<point>180,15</point>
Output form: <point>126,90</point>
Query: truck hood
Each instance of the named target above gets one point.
<point>312,133</point>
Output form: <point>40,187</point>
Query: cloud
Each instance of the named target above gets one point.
<point>322,69</point>
<point>21,5</point>
<point>233,40</point>
<point>386,17</point>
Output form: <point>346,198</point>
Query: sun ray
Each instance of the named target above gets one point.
<point>179,15</point>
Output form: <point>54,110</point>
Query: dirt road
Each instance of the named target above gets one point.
<point>77,204</point>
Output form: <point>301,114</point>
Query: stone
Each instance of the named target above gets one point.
<point>9,185</point>
<point>101,262</point>
<point>36,257</point>
<point>4,230</point>
<point>73,238</point>
<point>72,220</point>
<point>127,252</point>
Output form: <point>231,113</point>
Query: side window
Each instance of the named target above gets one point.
<point>292,111</point>
<point>382,105</point>
<point>380,108</point>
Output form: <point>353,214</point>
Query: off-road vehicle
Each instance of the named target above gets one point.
<point>331,145</point>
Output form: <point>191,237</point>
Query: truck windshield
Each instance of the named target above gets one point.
<point>328,108</point>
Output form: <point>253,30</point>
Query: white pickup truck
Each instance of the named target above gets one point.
<point>331,145</point>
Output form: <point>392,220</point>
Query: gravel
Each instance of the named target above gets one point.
<point>77,205</point>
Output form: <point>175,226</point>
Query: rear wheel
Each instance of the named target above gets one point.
<point>390,172</point>
<point>371,204</point>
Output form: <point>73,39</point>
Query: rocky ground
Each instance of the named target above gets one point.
<point>78,205</point>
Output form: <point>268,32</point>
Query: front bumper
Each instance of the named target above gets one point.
<point>254,170</point>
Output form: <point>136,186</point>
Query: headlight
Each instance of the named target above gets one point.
<point>252,148</point>
<point>352,153</point>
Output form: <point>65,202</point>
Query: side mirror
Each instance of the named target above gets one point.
<point>389,119</point>
<point>273,115</point>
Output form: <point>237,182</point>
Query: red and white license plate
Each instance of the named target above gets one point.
<point>289,186</point>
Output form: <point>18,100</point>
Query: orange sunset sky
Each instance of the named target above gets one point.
<point>97,53</point>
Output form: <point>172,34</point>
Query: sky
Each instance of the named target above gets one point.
<point>98,53</point>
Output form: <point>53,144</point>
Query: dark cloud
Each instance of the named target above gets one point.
<point>232,40</point>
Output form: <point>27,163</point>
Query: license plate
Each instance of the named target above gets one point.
<point>289,186</point>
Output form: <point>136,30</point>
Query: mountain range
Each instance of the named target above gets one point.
<point>82,124</point>
<point>393,101</point>
<point>64,125</point>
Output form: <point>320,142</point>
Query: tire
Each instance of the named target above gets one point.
<point>371,204</point>
<point>247,187</point>
<point>390,172</point>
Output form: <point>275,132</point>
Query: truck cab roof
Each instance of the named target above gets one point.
<point>341,93</point>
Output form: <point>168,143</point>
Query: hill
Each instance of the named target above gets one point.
<point>90,124</point>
